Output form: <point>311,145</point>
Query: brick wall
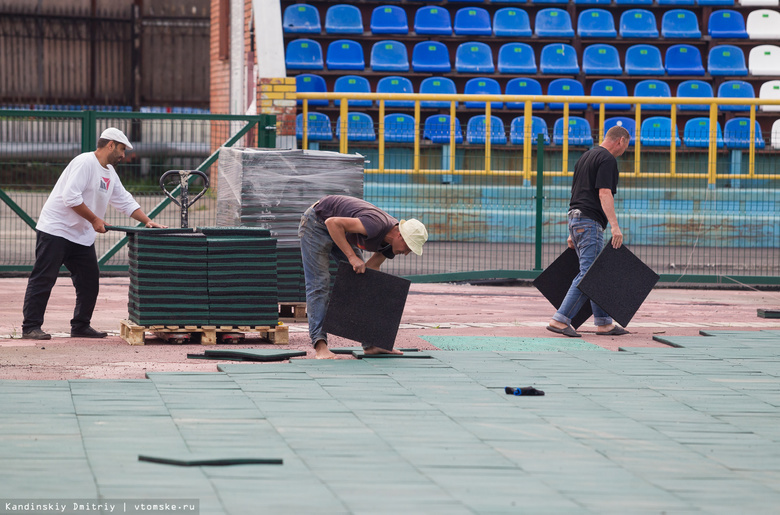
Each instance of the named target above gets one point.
<point>277,96</point>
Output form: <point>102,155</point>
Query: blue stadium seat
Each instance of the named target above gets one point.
<point>516,58</point>
<point>694,89</point>
<point>566,88</point>
<point>622,121</point>
<point>474,57</point>
<point>653,88</point>
<point>559,58</point>
<point>353,84</point>
<point>579,131</point>
<point>726,60</point>
<point>437,129</point>
<point>644,60</point>
<point>317,127</point>
<point>389,56</point>
<point>592,2</point>
<point>697,133</point>
<point>633,2</point>
<point>550,1</point>
<point>399,128</point>
<point>343,19</point>
<point>345,54</point>
<point>395,84</point>
<point>683,60</point>
<point>389,19</point>
<point>656,131</point>
<point>716,2</point>
<point>680,23</point>
<point>482,86</point>
<point>601,59</point>
<point>517,130</point>
<point>638,23</point>
<point>610,88</point>
<point>301,19</point>
<point>676,2</point>
<point>523,86</point>
<point>476,133</point>
<point>431,56</point>
<point>310,83</point>
<point>727,24</point>
<point>437,85</point>
<point>596,23</point>
<point>511,22</point>
<point>303,54</point>
<point>736,134</point>
<point>472,21</point>
<point>553,22</point>
<point>433,20</point>
<point>360,127</point>
<point>736,89</point>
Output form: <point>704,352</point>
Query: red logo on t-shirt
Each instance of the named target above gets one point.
<point>105,183</point>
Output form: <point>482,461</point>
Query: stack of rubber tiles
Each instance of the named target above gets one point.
<point>216,276</point>
<point>242,276</point>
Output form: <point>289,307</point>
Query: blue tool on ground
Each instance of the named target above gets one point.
<point>526,390</point>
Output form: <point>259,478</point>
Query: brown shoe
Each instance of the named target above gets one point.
<point>36,334</point>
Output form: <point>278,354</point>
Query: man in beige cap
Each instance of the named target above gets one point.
<point>342,227</point>
<point>66,229</point>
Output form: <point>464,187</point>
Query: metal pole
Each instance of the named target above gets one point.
<point>539,200</point>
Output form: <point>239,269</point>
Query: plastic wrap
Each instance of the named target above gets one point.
<point>271,188</point>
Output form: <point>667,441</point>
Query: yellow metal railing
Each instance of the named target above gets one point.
<point>529,140</point>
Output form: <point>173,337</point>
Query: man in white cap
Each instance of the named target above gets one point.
<point>66,228</point>
<point>343,226</point>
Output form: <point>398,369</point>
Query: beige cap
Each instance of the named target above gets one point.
<point>414,234</point>
<point>114,134</point>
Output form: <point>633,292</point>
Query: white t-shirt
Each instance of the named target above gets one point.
<point>83,181</point>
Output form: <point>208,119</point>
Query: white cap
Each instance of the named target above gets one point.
<point>114,134</point>
<point>414,234</point>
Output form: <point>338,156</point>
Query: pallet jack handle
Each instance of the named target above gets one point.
<point>184,178</point>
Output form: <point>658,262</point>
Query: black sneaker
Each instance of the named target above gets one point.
<point>87,332</point>
<point>36,334</point>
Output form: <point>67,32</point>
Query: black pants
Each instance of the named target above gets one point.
<point>51,252</point>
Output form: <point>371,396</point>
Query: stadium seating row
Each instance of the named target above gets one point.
<point>654,131</point>
<point>529,86</point>
<point>607,2</point>
<point>555,58</point>
<point>515,22</point>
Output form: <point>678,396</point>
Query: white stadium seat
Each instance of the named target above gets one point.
<point>770,90</point>
<point>764,60</point>
<point>763,24</point>
<point>776,135</point>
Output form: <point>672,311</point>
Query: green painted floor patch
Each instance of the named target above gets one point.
<point>501,343</point>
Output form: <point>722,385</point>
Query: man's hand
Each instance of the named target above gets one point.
<point>617,237</point>
<point>358,265</point>
<point>99,225</point>
<point>155,225</point>
<point>570,242</point>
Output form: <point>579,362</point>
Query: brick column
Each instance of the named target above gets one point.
<point>277,96</point>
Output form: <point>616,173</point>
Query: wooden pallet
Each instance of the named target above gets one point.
<point>292,311</point>
<point>136,334</point>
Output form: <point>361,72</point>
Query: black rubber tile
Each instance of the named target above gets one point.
<point>253,232</point>
<point>769,313</point>
<point>152,230</point>
<point>254,354</point>
<point>619,282</point>
<point>366,308</point>
<point>208,461</point>
<point>555,280</point>
<point>359,354</point>
<point>350,350</point>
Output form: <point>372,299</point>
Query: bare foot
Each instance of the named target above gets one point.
<point>557,325</point>
<point>322,351</point>
<point>380,350</point>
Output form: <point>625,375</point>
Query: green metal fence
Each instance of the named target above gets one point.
<point>492,213</point>
<point>35,146</point>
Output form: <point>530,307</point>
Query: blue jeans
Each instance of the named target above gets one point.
<point>588,237</point>
<point>316,249</point>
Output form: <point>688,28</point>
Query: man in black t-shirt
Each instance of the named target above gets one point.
<point>592,206</point>
<point>343,226</point>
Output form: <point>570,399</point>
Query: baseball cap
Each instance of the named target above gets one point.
<point>114,134</point>
<point>414,234</point>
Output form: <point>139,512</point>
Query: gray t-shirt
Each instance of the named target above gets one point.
<point>376,222</point>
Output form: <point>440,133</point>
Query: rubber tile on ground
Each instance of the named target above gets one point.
<point>255,354</point>
<point>554,283</point>
<point>502,343</point>
<point>207,460</point>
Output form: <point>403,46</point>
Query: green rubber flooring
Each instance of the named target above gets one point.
<point>683,430</point>
<point>501,343</point>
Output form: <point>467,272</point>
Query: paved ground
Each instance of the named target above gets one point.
<point>653,429</point>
